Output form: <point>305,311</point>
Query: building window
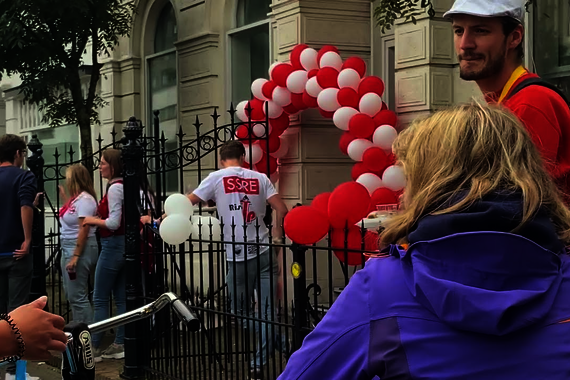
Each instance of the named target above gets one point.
<point>551,37</point>
<point>163,83</point>
<point>249,46</point>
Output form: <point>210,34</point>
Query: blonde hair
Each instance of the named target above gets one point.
<point>78,180</point>
<point>476,150</point>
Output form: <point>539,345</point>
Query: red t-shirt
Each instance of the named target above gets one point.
<point>547,119</point>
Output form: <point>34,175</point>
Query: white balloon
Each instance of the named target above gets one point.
<point>178,204</point>
<point>309,59</point>
<point>206,228</point>
<point>260,129</point>
<point>296,81</point>
<point>273,110</point>
<point>281,96</point>
<point>342,117</point>
<point>282,151</point>
<point>370,104</point>
<point>256,88</point>
<point>371,181</point>
<point>327,99</point>
<point>313,87</point>
<point>384,137</point>
<point>331,59</point>
<point>256,153</point>
<point>175,229</point>
<point>357,147</point>
<point>240,110</point>
<point>394,178</point>
<point>348,78</point>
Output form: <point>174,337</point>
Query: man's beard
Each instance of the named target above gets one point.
<point>493,66</point>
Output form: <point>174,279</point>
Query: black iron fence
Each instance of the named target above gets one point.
<point>281,294</point>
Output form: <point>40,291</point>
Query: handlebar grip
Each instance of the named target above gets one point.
<point>186,315</point>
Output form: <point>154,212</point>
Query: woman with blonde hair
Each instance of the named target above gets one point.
<point>78,244</point>
<point>482,290</point>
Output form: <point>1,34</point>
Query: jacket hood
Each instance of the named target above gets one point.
<point>476,276</point>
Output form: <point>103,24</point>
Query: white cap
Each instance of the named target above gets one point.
<point>489,8</point>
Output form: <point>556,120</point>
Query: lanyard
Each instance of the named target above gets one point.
<point>519,72</point>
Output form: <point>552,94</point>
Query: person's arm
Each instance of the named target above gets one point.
<point>27,194</point>
<point>281,210</point>
<point>85,207</point>
<point>337,349</point>
<point>113,222</point>
<point>194,198</point>
<point>206,191</point>
<point>41,332</point>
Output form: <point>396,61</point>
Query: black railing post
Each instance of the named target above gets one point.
<point>35,163</point>
<point>299,272</point>
<point>132,155</point>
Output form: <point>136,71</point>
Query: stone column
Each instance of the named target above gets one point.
<point>314,163</point>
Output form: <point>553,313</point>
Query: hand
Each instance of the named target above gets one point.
<point>146,219</point>
<point>38,198</point>
<point>23,251</point>
<point>70,267</point>
<point>41,331</point>
<point>90,220</point>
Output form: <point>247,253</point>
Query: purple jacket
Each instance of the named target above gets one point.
<point>468,304</point>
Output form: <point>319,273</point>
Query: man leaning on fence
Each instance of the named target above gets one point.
<point>241,196</point>
<point>17,193</point>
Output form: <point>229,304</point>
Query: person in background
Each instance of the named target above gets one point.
<point>110,272</point>
<point>482,291</point>
<point>40,331</point>
<point>17,194</point>
<point>241,196</point>
<point>489,41</point>
<point>79,245</point>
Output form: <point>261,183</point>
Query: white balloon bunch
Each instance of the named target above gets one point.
<point>176,227</point>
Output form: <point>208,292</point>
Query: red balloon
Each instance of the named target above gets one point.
<point>345,140</point>
<point>371,84</point>
<point>245,165</point>
<point>321,203</point>
<point>348,204</point>
<point>384,106</point>
<point>357,64</point>
<point>297,101</point>
<point>361,126</point>
<point>280,74</point>
<point>326,114</point>
<point>386,117</point>
<point>345,241</point>
<point>271,145</point>
<point>382,196</point>
<point>309,101</point>
<point>324,50</point>
<point>290,109</point>
<point>371,241</point>
<point>295,56</point>
<point>312,73</point>
<point>375,159</point>
<point>348,97</point>
<point>280,124</point>
<point>305,225</point>
<point>257,112</point>
<point>267,89</point>
<point>327,77</point>
<point>391,159</point>
<point>267,162</point>
<point>357,170</point>
<point>242,132</point>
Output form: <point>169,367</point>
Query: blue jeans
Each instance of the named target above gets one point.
<point>77,290</point>
<point>110,278</point>
<point>257,278</point>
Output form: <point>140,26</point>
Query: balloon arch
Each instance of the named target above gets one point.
<point>343,92</point>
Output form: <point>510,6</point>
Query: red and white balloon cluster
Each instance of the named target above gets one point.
<point>341,91</point>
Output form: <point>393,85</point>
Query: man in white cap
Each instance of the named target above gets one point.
<point>489,39</point>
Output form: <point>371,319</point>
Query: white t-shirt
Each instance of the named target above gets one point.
<point>84,205</point>
<point>241,196</point>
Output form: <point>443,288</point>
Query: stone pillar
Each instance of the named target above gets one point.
<point>314,163</point>
<point>427,74</point>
